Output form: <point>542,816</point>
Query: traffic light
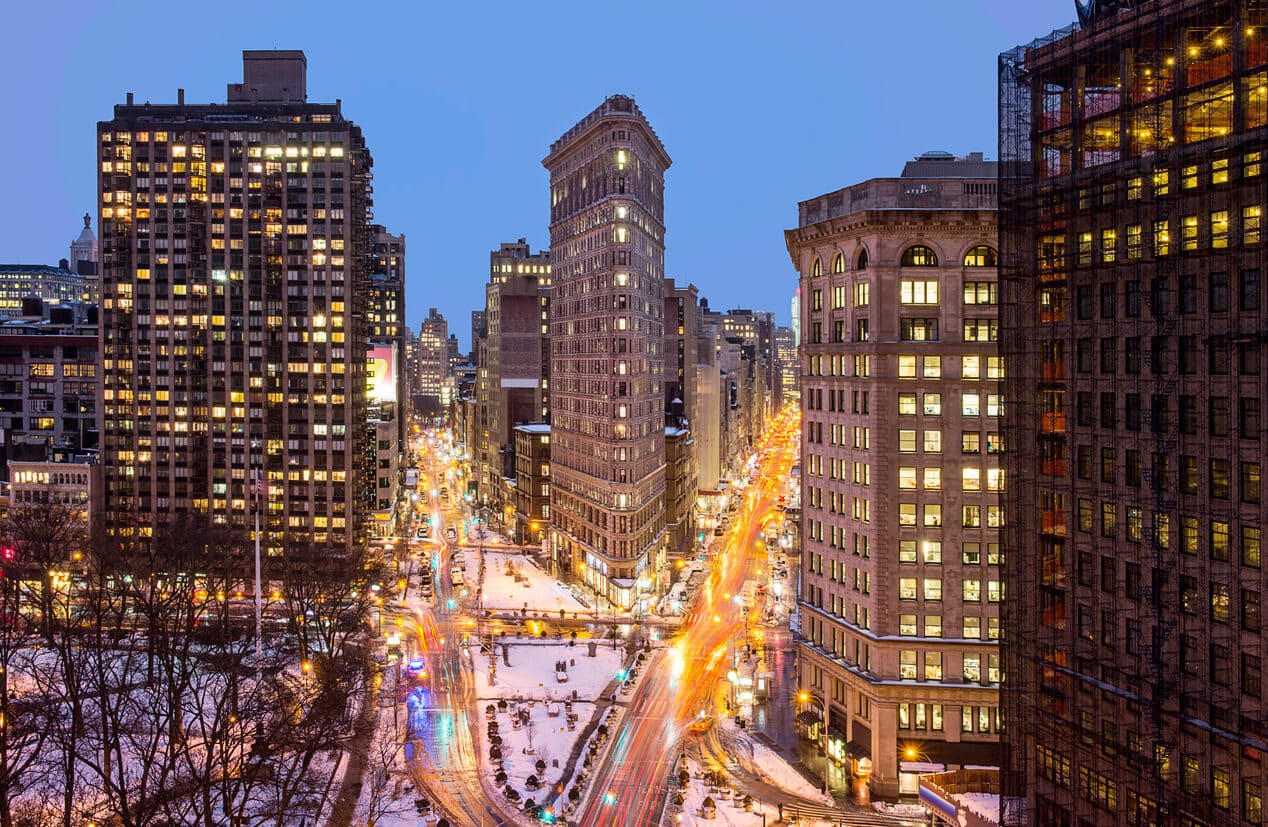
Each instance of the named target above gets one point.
<point>620,675</point>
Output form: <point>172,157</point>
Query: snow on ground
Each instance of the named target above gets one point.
<point>729,810</point>
<point>532,670</point>
<point>513,581</point>
<point>545,738</point>
<point>764,762</point>
<point>985,805</point>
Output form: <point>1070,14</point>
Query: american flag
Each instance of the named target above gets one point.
<point>261,487</point>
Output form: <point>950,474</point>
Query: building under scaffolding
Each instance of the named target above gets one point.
<point>1132,324</point>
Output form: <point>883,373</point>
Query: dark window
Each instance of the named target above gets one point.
<point>1131,470</point>
<point>1084,455</point>
<point>1109,300</point>
<point>1219,481</point>
<point>1189,294</point>
<point>1188,475</point>
<point>1131,412</point>
<point>1220,357</point>
<point>1131,299</point>
<point>1084,355</point>
<point>1084,410</point>
<point>1157,354</point>
<point>1109,355</point>
<point>1083,301</point>
<point>1248,294</point>
<point>1252,675</point>
<point>1108,464</point>
<point>1108,574</point>
<point>1109,401</point>
<point>1218,298</point>
<point>919,330</point>
<point>1188,414</point>
<point>1087,569</point>
<point>1248,358</point>
<point>1158,297</point>
<point>1188,354</point>
<point>1248,418</point>
<point>1131,354</point>
<point>1218,416</point>
<point>1251,610</point>
<point>1131,581</point>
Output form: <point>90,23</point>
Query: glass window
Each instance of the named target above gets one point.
<point>919,256</point>
<point>907,404</point>
<point>907,477</point>
<point>933,442</point>
<point>907,664</point>
<point>907,625</point>
<point>907,441</point>
<point>1162,238</point>
<point>971,479</point>
<point>1219,229</point>
<point>933,479</point>
<point>970,404</point>
<point>906,551</point>
<point>911,291</point>
<point>933,367</point>
<point>933,666</point>
<point>981,292</point>
<point>906,514</point>
<point>973,668</point>
<point>933,404</point>
<point>1109,244</point>
<point>933,625</point>
<point>906,588</point>
<point>970,442</point>
<point>981,256</point>
<point>933,514</point>
<point>973,628</point>
<point>931,551</point>
<point>972,591</point>
<point>1252,224</point>
<point>907,367</point>
<point>971,367</point>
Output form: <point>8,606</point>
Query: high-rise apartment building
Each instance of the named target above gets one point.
<point>433,360</point>
<point>796,317</point>
<point>901,455</point>
<point>513,381</point>
<point>478,326</point>
<point>786,367</point>
<point>1132,198</point>
<point>386,328</point>
<point>607,232</point>
<point>682,322</point>
<point>234,253</point>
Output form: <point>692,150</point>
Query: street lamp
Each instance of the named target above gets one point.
<point>806,697</point>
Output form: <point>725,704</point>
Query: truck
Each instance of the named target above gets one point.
<point>455,578</point>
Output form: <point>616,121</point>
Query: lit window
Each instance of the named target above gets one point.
<point>918,292</point>
<point>981,256</point>
<point>933,404</point>
<point>970,404</point>
<point>907,477</point>
<point>907,441</point>
<point>919,256</point>
<point>907,367</point>
<point>971,368</point>
<point>933,588</point>
<point>971,479</point>
<point>907,404</point>
<point>933,367</point>
<point>972,591</point>
<point>933,480</point>
<point>906,588</point>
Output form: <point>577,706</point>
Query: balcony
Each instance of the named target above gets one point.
<point>965,798</point>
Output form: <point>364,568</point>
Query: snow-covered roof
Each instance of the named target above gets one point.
<point>534,428</point>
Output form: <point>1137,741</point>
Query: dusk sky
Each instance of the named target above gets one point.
<point>760,104</point>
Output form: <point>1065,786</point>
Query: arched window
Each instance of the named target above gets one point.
<point>816,267</point>
<point>862,265</point>
<point>919,256</point>
<point>981,256</point>
<point>838,264</point>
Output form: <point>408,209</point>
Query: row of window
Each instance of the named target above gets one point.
<point>917,255</point>
<point>929,717</point>
<point>971,666</point>
<point>971,627</point>
<point>970,515</point>
<point>970,479</point>
<point>1218,476</point>
<point>1218,535</point>
<point>930,588</point>
<point>910,292</point>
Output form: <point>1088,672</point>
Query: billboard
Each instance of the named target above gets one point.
<point>381,374</point>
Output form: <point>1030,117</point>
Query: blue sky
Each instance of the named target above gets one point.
<point>760,104</point>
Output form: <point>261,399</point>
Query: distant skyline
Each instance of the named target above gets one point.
<point>759,105</point>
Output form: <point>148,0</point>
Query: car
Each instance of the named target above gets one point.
<point>451,533</point>
<point>701,724</point>
<point>416,668</point>
<point>422,532</point>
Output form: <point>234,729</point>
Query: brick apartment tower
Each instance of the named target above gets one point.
<point>513,381</point>
<point>234,252</point>
<point>900,387</point>
<point>607,231</point>
<point>1132,203</point>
